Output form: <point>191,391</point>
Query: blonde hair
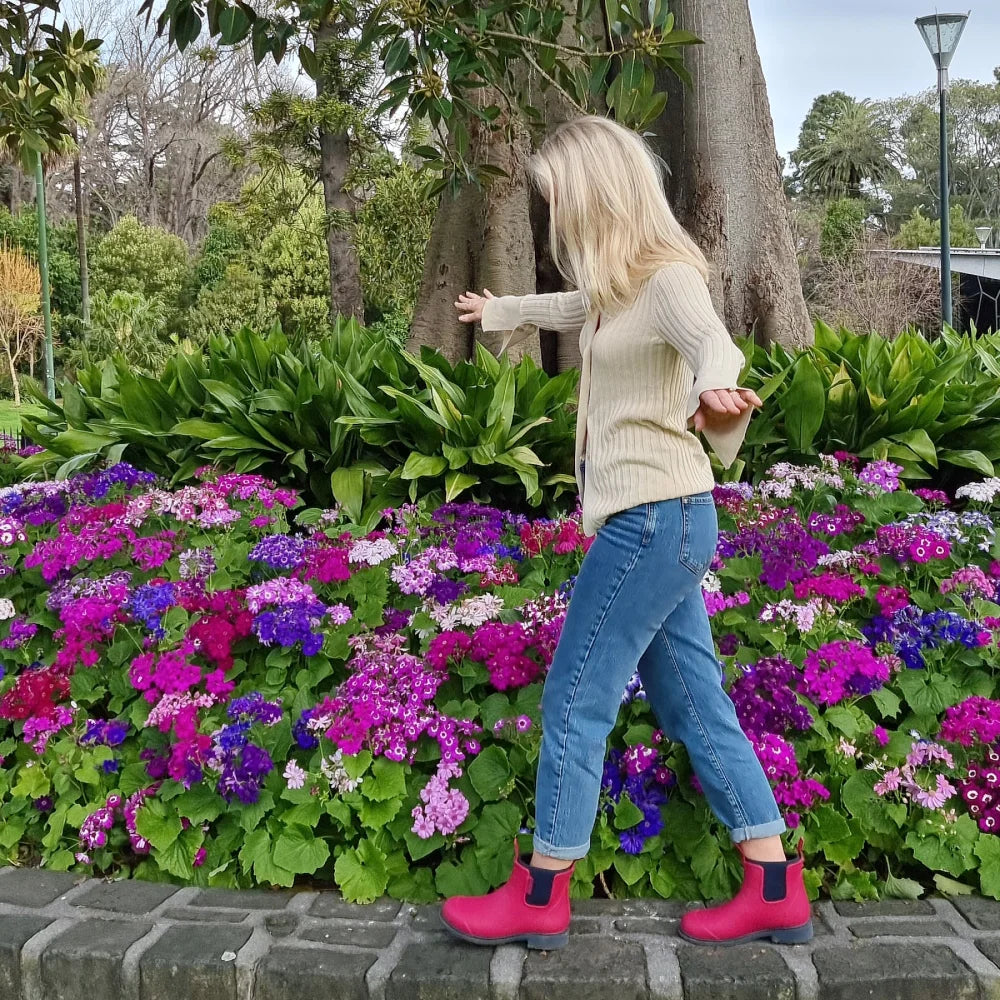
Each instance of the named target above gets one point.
<point>610,225</point>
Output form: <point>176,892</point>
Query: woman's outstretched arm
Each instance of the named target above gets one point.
<point>564,312</point>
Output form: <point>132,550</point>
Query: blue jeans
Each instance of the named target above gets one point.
<point>637,603</point>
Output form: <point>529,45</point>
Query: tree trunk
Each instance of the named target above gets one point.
<point>81,231</point>
<point>481,239</point>
<point>718,139</point>
<point>14,384</point>
<point>346,297</point>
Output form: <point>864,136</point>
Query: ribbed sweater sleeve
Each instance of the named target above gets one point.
<point>564,312</point>
<point>684,316</point>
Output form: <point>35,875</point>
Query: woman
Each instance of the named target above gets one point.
<point>655,356</point>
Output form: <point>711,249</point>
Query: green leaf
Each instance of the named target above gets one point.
<point>418,465</point>
<point>803,405</point>
<point>361,873</point>
<point>348,487</point>
<point>234,25</point>
<point>988,852</point>
<point>887,701</point>
<point>464,879</point>
<point>627,814</point>
<point>256,855</point>
<point>949,887</point>
<point>387,780</point>
<point>159,829</point>
<point>630,868</point>
<point>300,851</point>
<point>489,772</point>
<point>968,460</point>
<point>842,719</point>
<point>455,483</point>
<point>902,888</point>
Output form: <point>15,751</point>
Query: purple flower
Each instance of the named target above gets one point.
<point>279,552</point>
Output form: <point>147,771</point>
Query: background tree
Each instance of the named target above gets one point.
<point>853,146</point>
<point>974,135</point>
<point>20,311</point>
<point>464,67</point>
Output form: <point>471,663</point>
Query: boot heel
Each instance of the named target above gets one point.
<point>547,942</point>
<point>793,935</point>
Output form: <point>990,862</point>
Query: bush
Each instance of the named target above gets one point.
<point>843,228</point>
<point>392,230</point>
<point>919,231</point>
<point>127,324</point>
<point>932,406</point>
<point>133,257</point>
<point>239,299</point>
<point>351,418</point>
<point>195,693</point>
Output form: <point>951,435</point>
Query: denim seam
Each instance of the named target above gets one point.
<point>693,711</point>
<point>591,639</point>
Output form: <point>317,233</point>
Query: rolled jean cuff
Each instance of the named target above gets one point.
<point>560,853</point>
<point>772,829</point>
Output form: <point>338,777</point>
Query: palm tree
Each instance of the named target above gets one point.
<point>857,147</point>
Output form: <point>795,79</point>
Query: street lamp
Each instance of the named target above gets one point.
<point>941,32</point>
<point>983,234</point>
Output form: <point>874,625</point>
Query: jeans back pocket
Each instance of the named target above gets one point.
<point>699,533</point>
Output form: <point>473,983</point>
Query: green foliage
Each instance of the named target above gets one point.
<point>850,143</point>
<point>293,263</point>
<point>127,324</point>
<point>931,406</point>
<point>351,419</point>
<point>237,299</point>
<point>919,231</point>
<point>44,67</point>
<point>438,55</point>
<point>843,227</point>
<point>134,257</point>
<point>391,234</point>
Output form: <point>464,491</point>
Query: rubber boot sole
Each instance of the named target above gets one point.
<point>539,942</point>
<point>783,935</point>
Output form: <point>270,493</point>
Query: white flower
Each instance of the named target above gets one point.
<point>472,612</point>
<point>711,584</point>
<point>6,609</point>
<point>371,553</point>
<point>334,771</point>
<point>294,775</point>
<point>984,492</point>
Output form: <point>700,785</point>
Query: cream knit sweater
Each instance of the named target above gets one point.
<point>641,378</point>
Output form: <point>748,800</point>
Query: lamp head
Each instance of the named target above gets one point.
<point>941,32</point>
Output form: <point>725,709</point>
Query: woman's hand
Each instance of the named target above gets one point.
<point>470,306</point>
<point>719,407</point>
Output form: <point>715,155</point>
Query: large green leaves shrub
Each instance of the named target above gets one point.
<point>932,406</point>
<point>350,419</point>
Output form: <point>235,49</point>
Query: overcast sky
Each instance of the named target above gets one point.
<point>868,48</point>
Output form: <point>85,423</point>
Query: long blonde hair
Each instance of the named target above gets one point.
<point>610,224</point>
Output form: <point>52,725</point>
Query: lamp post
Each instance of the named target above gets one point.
<point>983,234</point>
<point>941,32</point>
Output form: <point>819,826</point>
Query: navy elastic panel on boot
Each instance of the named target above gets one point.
<point>775,880</point>
<point>542,880</point>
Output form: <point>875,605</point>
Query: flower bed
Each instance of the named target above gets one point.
<point>196,688</point>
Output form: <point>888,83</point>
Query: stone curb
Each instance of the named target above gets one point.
<point>65,939</point>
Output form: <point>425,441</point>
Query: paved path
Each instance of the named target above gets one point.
<point>64,939</point>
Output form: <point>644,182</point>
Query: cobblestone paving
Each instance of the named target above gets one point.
<point>65,939</point>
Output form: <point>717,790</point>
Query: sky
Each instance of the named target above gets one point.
<point>867,48</point>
